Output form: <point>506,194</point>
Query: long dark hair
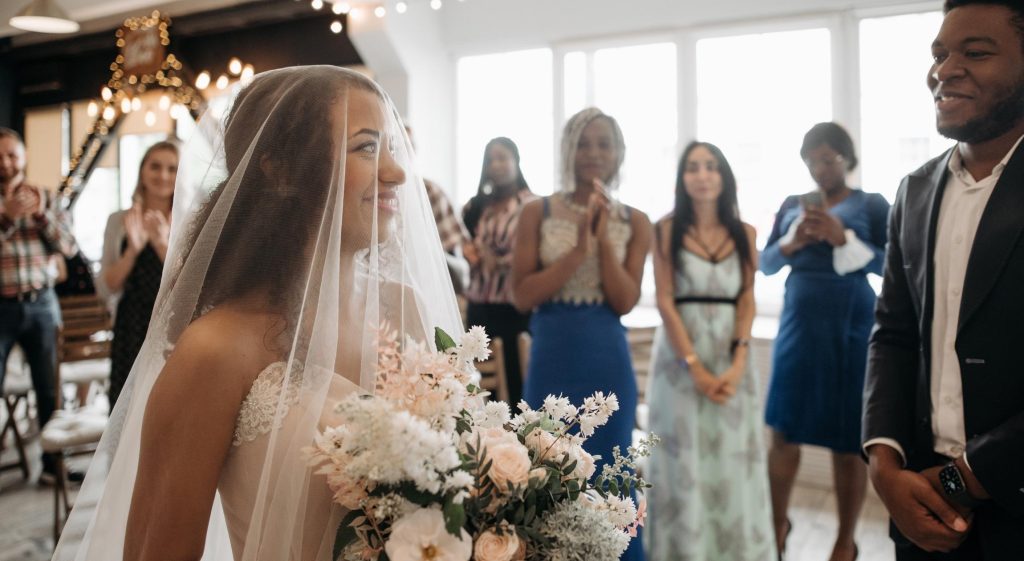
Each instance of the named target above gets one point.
<point>265,122</point>
<point>728,207</point>
<point>484,197</point>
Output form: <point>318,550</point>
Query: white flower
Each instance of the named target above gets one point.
<point>579,532</point>
<point>495,414</point>
<point>559,408</point>
<point>474,346</point>
<point>421,536</point>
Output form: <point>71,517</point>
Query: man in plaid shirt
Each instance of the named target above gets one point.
<point>33,229</point>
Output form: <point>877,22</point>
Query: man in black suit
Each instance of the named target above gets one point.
<point>944,395</point>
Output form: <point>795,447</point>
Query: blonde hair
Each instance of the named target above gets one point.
<point>571,138</point>
<point>168,145</point>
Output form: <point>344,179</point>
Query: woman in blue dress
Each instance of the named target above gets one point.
<point>831,239</point>
<point>578,261</point>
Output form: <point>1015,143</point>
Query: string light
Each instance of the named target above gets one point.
<point>136,104</point>
<point>379,11</point>
<point>342,7</point>
<point>93,109</point>
<point>165,102</point>
<point>435,4</point>
<point>203,80</point>
<point>108,113</point>
<point>235,66</point>
<point>222,82</point>
<point>150,118</point>
<point>317,4</point>
<point>337,8</point>
<point>401,7</point>
<point>106,94</point>
<point>336,27</point>
<point>247,73</point>
<point>126,105</point>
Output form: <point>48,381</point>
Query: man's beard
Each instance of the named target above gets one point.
<point>1006,114</point>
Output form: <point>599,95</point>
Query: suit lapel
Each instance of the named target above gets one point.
<point>924,199</point>
<point>998,232</point>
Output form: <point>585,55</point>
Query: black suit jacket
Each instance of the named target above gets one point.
<point>989,344</point>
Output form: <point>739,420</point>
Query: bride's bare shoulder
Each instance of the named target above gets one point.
<point>233,342</point>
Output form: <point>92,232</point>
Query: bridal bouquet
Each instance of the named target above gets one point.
<point>430,471</point>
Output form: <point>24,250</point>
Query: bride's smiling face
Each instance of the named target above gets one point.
<point>372,175</point>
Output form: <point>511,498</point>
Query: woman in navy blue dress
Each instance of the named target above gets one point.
<point>578,262</point>
<point>831,239</point>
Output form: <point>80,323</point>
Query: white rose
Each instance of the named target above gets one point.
<point>510,463</point>
<point>492,547</point>
<point>421,536</point>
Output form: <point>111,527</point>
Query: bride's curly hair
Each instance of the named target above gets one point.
<point>281,149</point>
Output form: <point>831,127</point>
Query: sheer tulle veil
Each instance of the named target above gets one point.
<point>303,204</point>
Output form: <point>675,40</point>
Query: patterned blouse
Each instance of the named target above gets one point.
<point>490,279</point>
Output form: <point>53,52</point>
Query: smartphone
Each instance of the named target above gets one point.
<point>812,200</point>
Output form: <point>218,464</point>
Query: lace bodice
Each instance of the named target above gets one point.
<point>256,416</point>
<point>558,235</point>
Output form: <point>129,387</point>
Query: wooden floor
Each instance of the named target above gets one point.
<point>26,518</point>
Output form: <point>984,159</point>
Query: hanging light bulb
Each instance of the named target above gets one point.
<point>108,113</point>
<point>165,102</point>
<point>203,80</point>
<point>337,8</point>
<point>317,4</point>
<point>106,94</point>
<point>93,109</point>
<point>136,104</point>
<point>401,7</point>
<point>379,11</point>
<point>235,66</point>
<point>247,73</point>
<point>150,118</point>
<point>178,111</point>
<point>342,7</point>
<point>336,27</point>
<point>222,82</point>
<point>126,105</point>
<point>435,4</point>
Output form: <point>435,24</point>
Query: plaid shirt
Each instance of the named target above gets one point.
<point>26,245</point>
<point>449,227</point>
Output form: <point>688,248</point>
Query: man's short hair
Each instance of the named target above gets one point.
<point>11,133</point>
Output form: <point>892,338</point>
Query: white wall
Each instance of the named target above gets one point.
<point>410,60</point>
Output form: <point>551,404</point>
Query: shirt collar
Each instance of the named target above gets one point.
<point>956,163</point>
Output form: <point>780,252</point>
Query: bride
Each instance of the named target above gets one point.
<point>302,230</point>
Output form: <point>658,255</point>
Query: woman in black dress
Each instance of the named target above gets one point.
<point>134,248</point>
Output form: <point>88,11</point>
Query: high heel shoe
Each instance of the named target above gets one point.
<point>785,538</point>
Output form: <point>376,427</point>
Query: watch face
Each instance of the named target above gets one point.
<point>950,479</point>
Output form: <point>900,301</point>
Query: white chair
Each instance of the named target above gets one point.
<point>492,372</point>
<point>70,434</point>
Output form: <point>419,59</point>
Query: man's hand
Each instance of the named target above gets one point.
<point>918,510</point>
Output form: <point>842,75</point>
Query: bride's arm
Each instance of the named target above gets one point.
<point>186,434</point>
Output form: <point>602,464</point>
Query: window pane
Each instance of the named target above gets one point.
<point>637,86</point>
<point>757,95</point>
<point>897,114</point>
<point>507,94</point>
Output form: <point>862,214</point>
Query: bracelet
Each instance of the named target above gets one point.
<point>687,361</point>
<point>737,343</point>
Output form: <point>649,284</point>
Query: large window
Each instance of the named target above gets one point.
<point>621,81</point>
<point>507,94</point>
<point>897,113</point>
<point>757,95</point>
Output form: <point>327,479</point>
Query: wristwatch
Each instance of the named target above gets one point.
<point>954,487</point>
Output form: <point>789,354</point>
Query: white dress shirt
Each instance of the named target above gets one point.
<point>963,203</point>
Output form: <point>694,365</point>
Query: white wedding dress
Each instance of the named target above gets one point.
<point>301,206</point>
